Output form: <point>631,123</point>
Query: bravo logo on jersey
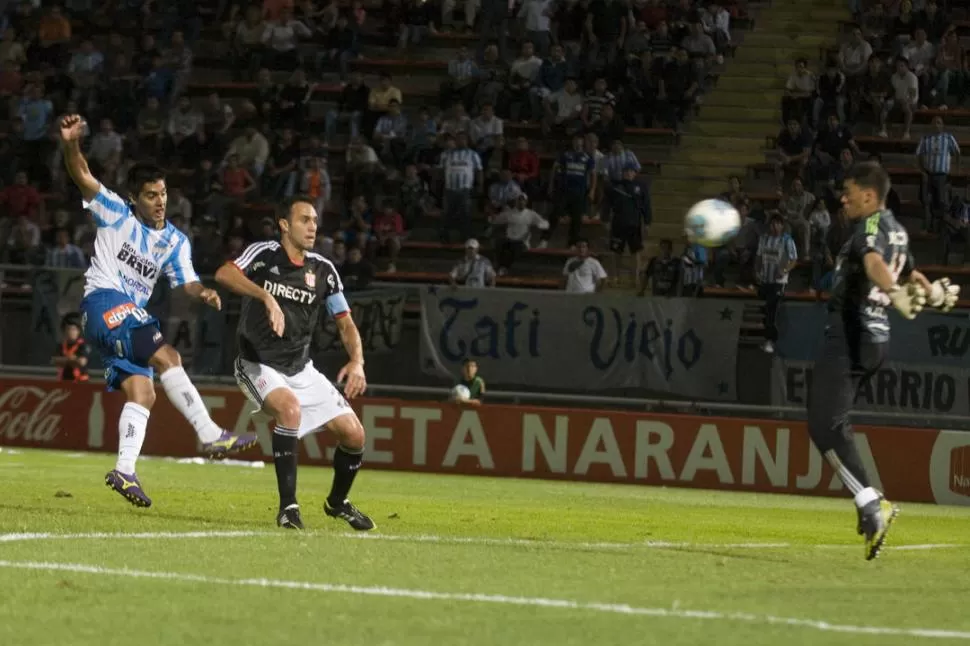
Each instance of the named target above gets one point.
<point>289,293</point>
<point>145,268</point>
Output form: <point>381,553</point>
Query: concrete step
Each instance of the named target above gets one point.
<point>692,141</point>
<point>733,81</point>
<point>787,38</point>
<point>737,67</point>
<point>780,56</point>
<point>741,99</point>
<point>685,188</point>
<point>707,170</point>
<point>762,114</point>
<point>726,128</point>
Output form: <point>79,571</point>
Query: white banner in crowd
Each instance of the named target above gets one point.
<point>557,340</point>
<point>897,387</point>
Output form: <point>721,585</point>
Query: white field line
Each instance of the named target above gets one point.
<point>482,598</point>
<point>458,540</point>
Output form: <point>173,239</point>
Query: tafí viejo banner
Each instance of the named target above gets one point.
<point>897,388</point>
<point>686,347</point>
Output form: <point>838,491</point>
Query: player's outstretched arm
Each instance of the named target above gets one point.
<point>941,293</point>
<point>233,278</point>
<point>71,132</point>
<point>908,299</point>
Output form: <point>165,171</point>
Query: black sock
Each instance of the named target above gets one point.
<point>845,459</point>
<point>345,466</point>
<point>285,455</point>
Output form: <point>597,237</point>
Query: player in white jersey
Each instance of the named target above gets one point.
<point>133,247</point>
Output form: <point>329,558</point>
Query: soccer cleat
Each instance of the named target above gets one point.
<point>875,519</point>
<point>289,518</point>
<point>128,486</point>
<point>228,444</point>
<point>354,517</point>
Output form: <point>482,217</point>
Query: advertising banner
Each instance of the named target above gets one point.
<point>897,387</point>
<point>585,445</point>
<point>933,338</point>
<point>557,340</point>
<point>378,315</point>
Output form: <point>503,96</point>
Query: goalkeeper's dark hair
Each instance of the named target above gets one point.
<point>870,176</point>
<point>141,174</point>
<point>286,210</point>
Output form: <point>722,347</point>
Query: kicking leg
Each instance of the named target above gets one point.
<point>346,462</point>
<point>216,443</point>
<point>140,393</point>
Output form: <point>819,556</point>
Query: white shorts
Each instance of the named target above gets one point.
<point>320,401</point>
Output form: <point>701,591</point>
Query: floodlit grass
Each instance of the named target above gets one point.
<point>663,551</point>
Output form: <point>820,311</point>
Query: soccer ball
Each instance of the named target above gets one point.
<point>461,393</point>
<point>711,223</point>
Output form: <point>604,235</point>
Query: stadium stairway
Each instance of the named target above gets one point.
<point>728,135</point>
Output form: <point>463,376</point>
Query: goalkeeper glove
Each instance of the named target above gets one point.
<point>943,295</point>
<point>908,299</point>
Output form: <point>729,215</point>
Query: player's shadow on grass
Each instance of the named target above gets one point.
<point>146,514</point>
<point>745,555</point>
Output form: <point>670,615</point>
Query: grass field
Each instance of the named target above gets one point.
<point>458,560</point>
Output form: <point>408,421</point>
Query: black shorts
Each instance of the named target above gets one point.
<point>624,236</point>
<point>846,361</point>
<point>572,205</point>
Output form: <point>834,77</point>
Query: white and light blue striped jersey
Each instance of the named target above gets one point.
<point>462,70</point>
<point>775,254</point>
<point>129,256</point>
<point>614,163</point>
<point>934,152</point>
<point>460,166</point>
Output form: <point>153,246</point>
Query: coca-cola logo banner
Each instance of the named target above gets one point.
<point>557,443</point>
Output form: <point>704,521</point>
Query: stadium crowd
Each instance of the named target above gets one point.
<point>580,72</point>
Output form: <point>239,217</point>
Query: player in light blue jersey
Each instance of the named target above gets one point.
<point>133,248</point>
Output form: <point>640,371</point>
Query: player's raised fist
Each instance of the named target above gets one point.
<point>72,128</point>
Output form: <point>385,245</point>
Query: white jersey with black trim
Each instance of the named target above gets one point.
<point>129,256</point>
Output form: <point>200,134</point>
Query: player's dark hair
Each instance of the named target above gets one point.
<point>870,176</point>
<point>141,174</point>
<point>287,208</point>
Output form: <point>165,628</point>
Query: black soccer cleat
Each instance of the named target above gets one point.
<point>289,518</point>
<point>354,517</point>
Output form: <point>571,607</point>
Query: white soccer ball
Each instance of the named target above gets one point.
<point>461,393</point>
<point>712,223</point>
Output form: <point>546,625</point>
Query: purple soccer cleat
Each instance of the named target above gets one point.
<point>228,444</point>
<point>129,487</point>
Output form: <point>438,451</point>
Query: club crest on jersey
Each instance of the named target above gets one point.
<point>311,279</point>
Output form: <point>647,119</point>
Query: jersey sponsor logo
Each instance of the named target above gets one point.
<point>289,293</point>
<point>135,284</point>
<point>311,280</point>
<point>145,268</point>
<point>116,315</point>
<point>274,270</point>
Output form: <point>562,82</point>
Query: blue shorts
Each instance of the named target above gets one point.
<point>109,319</point>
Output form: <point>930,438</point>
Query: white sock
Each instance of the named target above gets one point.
<point>188,401</point>
<point>131,435</point>
<point>866,496</point>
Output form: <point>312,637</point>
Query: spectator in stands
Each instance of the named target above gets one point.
<point>830,141</point>
<point>678,88</point>
<point>494,18</point>
<point>693,261</point>
<point>875,91</point>
<point>563,110</point>
<point>279,180</point>
<point>23,246</point>
<point>701,50</point>
<point>53,37</point>
<point>338,253</point>
<point>448,14</point>
<point>921,55</point>
<point>607,24</point>
<point>391,135</point>
<point>742,249</point>
<point>281,39</point>
<point>63,254</point>
<point>461,82</point>
<point>357,273</point>
<point>237,182</point>
<point>607,126</point>
<point>357,226</point>
<point>417,22</point>
<point>955,228</point>
<point>799,90</point>
<point>412,197</point>
<point>854,58</point>
<point>471,380</point>
<point>794,208</point>
<point>949,66</point>
<point>793,146</point>
<point>252,150</point>
<point>36,112</point>
<point>831,94</point>
<point>340,48</point>
<point>934,155</point>
<point>502,193</point>
<point>178,57</point>
<point>571,188</point>
<point>11,49</point>
<point>903,25</point>
<point>21,200</point>
<point>11,80</point>
<point>486,133</point>
<point>523,76</point>
<point>315,184</point>
<point>423,135</point>
<point>455,121</point>
<point>218,116</point>
<point>150,128</point>
<point>85,68</point>
<point>473,270</point>
<point>362,166</point>
<point>144,57</point>
<point>875,25</point>
<point>662,274</point>
<point>183,121</point>
<point>552,77</point>
<point>178,204</point>
<point>493,74</point>
<point>105,148</point>
<point>462,170</point>
<point>208,250</point>
<point>379,100</point>
<point>717,25</point>
<point>534,15</point>
<point>776,257</point>
<point>638,40</point>
<point>524,164</point>
<point>72,354</point>
<point>638,101</point>
<point>389,234</point>
<point>630,215</point>
<point>263,97</point>
<point>350,107</point>
<point>248,48</point>
<point>583,274</point>
<point>819,222</point>
<point>594,102</point>
<point>905,97</point>
<point>292,102</point>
